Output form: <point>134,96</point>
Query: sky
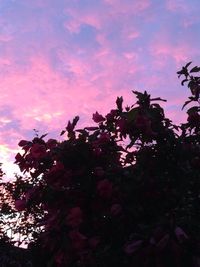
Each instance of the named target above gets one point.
<point>62,58</point>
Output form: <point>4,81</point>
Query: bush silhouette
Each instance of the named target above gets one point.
<point>91,200</point>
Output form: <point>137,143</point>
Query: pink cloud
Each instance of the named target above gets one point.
<point>128,6</point>
<point>189,11</point>
<point>78,17</point>
<point>58,60</point>
<point>164,48</point>
<point>177,6</point>
<point>164,51</point>
<point>43,95</point>
<point>96,17</point>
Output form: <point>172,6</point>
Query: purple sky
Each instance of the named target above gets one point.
<point>61,58</point>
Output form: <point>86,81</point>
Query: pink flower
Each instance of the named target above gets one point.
<point>74,218</point>
<point>20,204</point>
<point>97,117</point>
<point>105,188</point>
<point>38,151</point>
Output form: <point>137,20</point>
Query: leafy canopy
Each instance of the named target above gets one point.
<point>123,193</point>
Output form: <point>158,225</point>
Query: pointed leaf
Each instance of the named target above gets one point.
<point>163,242</point>
<point>186,103</point>
<point>91,128</point>
<point>119,102</point>
<point>195,69</point>
<point>75,120</point>
<point>158,99</point>
<point>44,135</point>
<point>82,131</point>
<point>183,81</point>
<point>63,132</point>
<point>188,64</point>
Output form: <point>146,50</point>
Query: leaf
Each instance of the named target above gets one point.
<point>184,71</point>
<point>82,131</point>
<point>181,72</point>
<point>157,106</point>
<point>63,132</point>
<point>131,114</point>
<point>119,102</point>
<point>188,64</point>
<point>91,128</point>
<point>186,103</point>
<point>138,94</point>
<point>163,242</point>
<point>193,110</point>
<point>131,144</point>
<point>75,120</point>
<point>133,246</point>
<point>195,69</point>
<point>23,143</point>
<point>176,127</point>
<point>44,135</point>
<point>180,234</point>
<point>158,99</point>
<point>183,81</point>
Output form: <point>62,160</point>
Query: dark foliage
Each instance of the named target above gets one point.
<point>92,201</point>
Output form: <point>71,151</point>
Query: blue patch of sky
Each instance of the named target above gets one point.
<point>4,5</point>
<point>85,4</point>
<point>14,124</point>
<point>85,38</point>
<point>7,112</point>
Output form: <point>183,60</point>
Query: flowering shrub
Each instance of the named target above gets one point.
<point>90,201</point>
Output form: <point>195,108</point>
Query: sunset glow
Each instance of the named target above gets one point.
<point>63,58</point>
